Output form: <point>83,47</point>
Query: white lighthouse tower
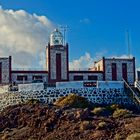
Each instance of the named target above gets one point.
<point>57,58</point>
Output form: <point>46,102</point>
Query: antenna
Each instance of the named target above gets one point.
<point>64,28</point>
<point>128,43</point>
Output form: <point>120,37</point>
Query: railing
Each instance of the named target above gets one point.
<point>135,96</point>
<point>137,85</point>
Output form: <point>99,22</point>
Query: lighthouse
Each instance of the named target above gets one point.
<point>57,58</point>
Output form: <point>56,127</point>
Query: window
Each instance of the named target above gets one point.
<point>37,77</point>
<point>78,77</point>
<point>114,72</point>
<point>22,77</point>
<point>124,71</point>
<point>58,67</point>
<point>92,77</point>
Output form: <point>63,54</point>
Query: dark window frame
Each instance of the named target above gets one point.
<point>78,77</point>
<point>37,77</point>
<point>114,71</point>
<point>22,77</point>
<point>92,77</point>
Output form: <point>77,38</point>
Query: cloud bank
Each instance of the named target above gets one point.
<point>86,61</point>
<point>24,37</point>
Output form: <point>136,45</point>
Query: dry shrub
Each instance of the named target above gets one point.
<point>85,125</point>
<point>121,113</point>
<point>72,100</point>
<point>113,107</point>
<point>118,137</point>
<point>98,110</point>
<point>102,125</point>
<point>135,136</point>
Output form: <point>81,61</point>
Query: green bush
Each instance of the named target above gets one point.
<point>135,136</point>
<point>98,111</point>
<point>121,113</point>
<point>72,100</point>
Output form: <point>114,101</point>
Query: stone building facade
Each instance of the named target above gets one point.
<point>57,62</point>
<point>116,69</point>
<point>5,70</point>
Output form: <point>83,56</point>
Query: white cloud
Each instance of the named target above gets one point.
<point>86,61</point>
<point>24,37</point>
<point>85,21</point>
<point>122,56</point>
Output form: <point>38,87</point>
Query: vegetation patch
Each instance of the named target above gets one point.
<point>102,125</point>
<point>135,136</point>
<point>113,107</point>
<point>72,100</point>
<point>85,125</point>
<point>118,137</point>
<point>99,111</point>
<point>122,113</point>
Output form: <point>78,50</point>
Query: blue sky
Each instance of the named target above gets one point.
<point>95,26</point>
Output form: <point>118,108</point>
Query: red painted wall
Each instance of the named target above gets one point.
<point>124,71</point>
<point>58,67</point>
<point>114,72</point>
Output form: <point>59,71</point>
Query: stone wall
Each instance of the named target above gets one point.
<point>85,75</point>
<point>58,50</point>
<point>95,95</point>
<point>8,99</point>
<point>30,87</point>
<point>5,70</point>
<point>29,75</point>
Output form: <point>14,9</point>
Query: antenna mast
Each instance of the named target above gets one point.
<point>64,28</point>
<point>128,43</point>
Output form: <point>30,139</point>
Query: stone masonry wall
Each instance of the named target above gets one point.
<point>95,95</point>
<point>5,70</point>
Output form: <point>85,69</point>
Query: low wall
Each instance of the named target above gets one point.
<point>99,84</point>
<point>70,84</point>
<point>95,95</point>
<point>30,87</point>
<point>110,84</point>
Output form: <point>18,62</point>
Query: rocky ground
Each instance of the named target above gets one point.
<point>42,122</point>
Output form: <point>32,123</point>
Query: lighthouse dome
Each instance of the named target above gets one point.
<point>56,38</point>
